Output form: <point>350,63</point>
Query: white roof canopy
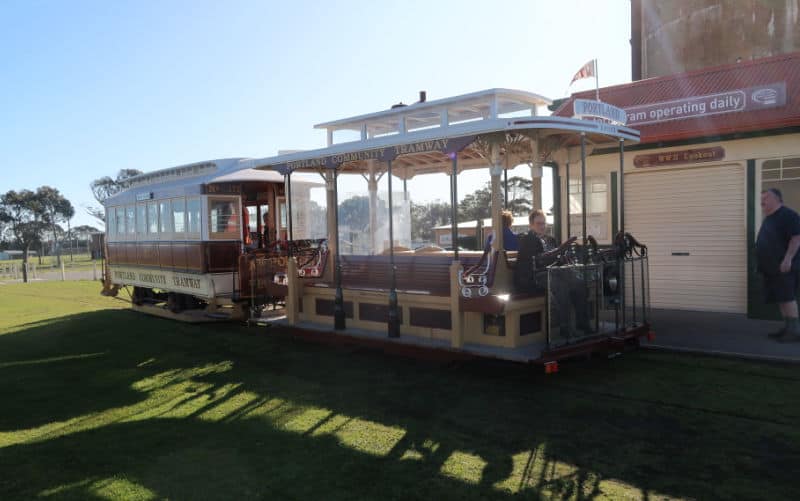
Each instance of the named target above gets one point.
<point>483,105</point>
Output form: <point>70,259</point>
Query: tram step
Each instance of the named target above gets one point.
<point>221,316</point>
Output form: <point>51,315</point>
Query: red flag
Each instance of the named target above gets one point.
<point>586,71</point>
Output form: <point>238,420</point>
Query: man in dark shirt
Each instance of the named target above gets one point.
<point>538,250</point>
<point>778,260</point>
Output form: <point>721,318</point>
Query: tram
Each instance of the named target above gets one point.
<point>177,240</point>
<point>465,301</point>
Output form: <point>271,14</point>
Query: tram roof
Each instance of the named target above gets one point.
<point>419,144</point>
<point>189,179</point>
<point>489,103</point>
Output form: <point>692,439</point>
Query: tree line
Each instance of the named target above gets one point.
<point>29,218</point>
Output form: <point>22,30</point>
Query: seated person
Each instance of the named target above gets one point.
<point>538,250</point>
<point>510,242</point>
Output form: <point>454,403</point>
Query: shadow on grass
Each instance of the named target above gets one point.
<point>267,416</point>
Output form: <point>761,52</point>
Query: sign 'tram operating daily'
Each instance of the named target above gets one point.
<point>749,99</point>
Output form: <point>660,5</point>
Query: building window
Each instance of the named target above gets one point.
<point>193,215</point>
<point>178,215</point>
<point>597,217</point>
<point>152,218</point>
<point>783,174</point>
<point>223,216</point>
<point>165,216</point>
<point>130,219</point>
<point>111,217</point>
<point>141,220</point>
<point>120,221</point>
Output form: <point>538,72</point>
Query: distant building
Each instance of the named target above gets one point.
<point>443,234</point>
<point>676,36</point>
<point>14,254</point>
<point>711,141</point>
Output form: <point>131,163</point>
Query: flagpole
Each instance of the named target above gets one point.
<point>596,82</point>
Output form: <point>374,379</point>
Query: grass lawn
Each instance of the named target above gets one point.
<point>97,402</point>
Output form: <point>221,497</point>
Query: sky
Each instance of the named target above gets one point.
<point>90,88</point>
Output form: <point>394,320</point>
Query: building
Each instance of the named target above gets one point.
<point>677,36</point>
<point>15,254</point>
<point>711,141</point>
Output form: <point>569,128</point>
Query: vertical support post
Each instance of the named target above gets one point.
<point>338,301</point>
<point>331,210</point>
<point>505,188</point>
<point>289,209</point>
<point>394,317</point>
<point>63,273</point>
<point>569,224</point>
<point>497,222</point>
<point>94,270</point>
<point>583,186</point>
<point>621,259</point>
<point>372,189</point>
<point>556,197</point>
<point>454,204</point>
<point>622,185</point>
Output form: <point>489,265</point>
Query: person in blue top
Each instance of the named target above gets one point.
<point>778,260</point>
<point>510,242</point>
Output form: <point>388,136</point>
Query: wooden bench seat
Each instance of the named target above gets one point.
<point>415,274</point>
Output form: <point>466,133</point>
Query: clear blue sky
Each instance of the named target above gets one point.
<point>89,88</point>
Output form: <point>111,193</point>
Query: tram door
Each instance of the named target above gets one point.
<point>259,219</point>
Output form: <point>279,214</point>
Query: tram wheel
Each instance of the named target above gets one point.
<point>138,296</point>
<point>174,302</point>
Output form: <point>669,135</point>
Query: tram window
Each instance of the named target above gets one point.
<point>193,214</point>
<point>223,217</point>
<point>152,218</point>
<point>165,214</point>
<point>141,219</point>
<point>111,217</point>
<point>130,219</point>
<point>120,221</point>
<point>179,215</point>
<point>252,223</point>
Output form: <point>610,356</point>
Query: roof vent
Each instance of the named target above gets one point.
<point>423,96</point>
<point>399,105</point>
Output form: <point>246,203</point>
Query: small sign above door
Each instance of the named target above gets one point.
<point>680,157</point>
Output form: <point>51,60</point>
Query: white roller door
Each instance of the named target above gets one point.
<point>693,223</point>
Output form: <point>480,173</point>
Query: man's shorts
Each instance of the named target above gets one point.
<point>780,288</point>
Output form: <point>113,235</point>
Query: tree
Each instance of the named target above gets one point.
<point>478,204</point>
<point>24,214</point>
<point>519,196</point>
<point>424,217</point>
<point>56,209</point>
<point>105,187</point>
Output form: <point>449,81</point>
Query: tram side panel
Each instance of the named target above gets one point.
<point>172,249</point>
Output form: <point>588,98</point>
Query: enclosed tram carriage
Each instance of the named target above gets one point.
<point>178,238</point>
<point>466,300</point>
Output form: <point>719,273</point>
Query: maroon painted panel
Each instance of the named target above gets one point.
<point>195,257</point>
<point>428,317</point>
<point>222,256</point>
<point>165,255</point>
<point>179,256</point>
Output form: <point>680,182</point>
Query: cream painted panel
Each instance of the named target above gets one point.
<point>699,211</point>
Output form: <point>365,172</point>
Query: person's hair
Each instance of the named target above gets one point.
<point>776,192</point>
<point>508,218</point>
<point>536,213</point>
